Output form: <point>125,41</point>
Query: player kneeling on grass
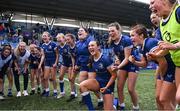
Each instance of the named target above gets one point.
<point>104,81</point>
<point>5,61</point>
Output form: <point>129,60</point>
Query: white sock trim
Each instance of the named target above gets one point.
<point>73,93</point>
<point>100,100</point>
<point>47,89</point>
<point>61,81</point>
<point>136,107</point>
<point>84,93</point>
<point>122,105</point>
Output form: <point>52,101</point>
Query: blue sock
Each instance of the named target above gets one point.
<point>61,84</point>
<point>87,99</point>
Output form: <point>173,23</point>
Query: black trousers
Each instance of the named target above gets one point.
<point>17,82</point>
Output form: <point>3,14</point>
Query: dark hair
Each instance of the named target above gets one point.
<point>7,47</point>
<point>91,59</point>
<point>85,29</point>
<point>140,29</point>
<point>172,1</point>
<point>115,24</point>
<point>72,36</point>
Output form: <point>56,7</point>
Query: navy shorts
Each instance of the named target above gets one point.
<point>109,90</point>
<point>49,63</point>
<point>67,63</point>
<point>130,68</point>
<point>169,76</point>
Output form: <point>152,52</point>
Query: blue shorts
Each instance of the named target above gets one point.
<point>67,63</point>
<point>169,76</point>
<point>33,66</point>
<point>130,68</point>
<point>49,63</point>
<point>109,90</point>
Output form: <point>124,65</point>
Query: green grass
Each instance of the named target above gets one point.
<point>145,88</point>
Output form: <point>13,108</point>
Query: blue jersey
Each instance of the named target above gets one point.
<point>65,54</point>
<point>49,51</point>
<point>34,61</point>
<point>158,34</point>
<point>119,47</point>
<point>100,67</point>
<point>136,53</point>
<point>73,52</point>
<point>5,62</point>
<point>82,50</point>
<point>149,45</point>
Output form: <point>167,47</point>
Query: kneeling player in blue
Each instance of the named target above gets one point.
<point>104,81</point>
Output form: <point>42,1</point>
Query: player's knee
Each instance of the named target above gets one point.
<point>178,99</point>
<point>131,90</point>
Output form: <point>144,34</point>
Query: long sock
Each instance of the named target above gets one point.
<point>61,84</point>
<point>87,99</point>
<point>26,78</point>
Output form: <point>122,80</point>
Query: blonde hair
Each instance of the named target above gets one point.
<point>16,50</point>
<point>59,35</point>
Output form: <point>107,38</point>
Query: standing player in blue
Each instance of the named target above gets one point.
<point>6,59</point>
<point>83,57</point>
<point>66,65</point>
<point>104,81</point>
<point>33,65</point>
<point>50,57</point>
<point>70,40</point>
<point>155,20</point>
<point>165,86</point>
<point>21,55</point>
<point>122,47</point>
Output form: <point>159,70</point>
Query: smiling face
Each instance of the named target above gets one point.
<point>82,34</point>
<point>155,19</point>
<point>61,38</point>
<point>69,40</point>
<point>136,39</point>
<point>6,52</point>
<point>93,48</point>
<point>113,33</point>
<point>159,7</point>
<point>46,37</point>
<point>22,47</point>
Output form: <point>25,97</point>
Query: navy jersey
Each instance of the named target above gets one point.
<point>149,45</point>
<point>119,47</point>
<point>158,34</point>
<point>64,52</point>
<point>73,52</point>
<point>34,61</point>
<point>82,50</point>
<point>100,67</point>
<point>49,51</point>
<point>136,53</point>
<point>5,62</point>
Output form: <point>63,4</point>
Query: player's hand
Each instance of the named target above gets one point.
<point>114,67</point>
<point>131,59</point>
<point>102,90</point>
<point>54,65</point>
<point>166,45</point>
<point>117,62</point>
<point>76,68</point>
<point>39,67</point>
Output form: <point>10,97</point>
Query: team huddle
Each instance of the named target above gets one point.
<point>97,72</point>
